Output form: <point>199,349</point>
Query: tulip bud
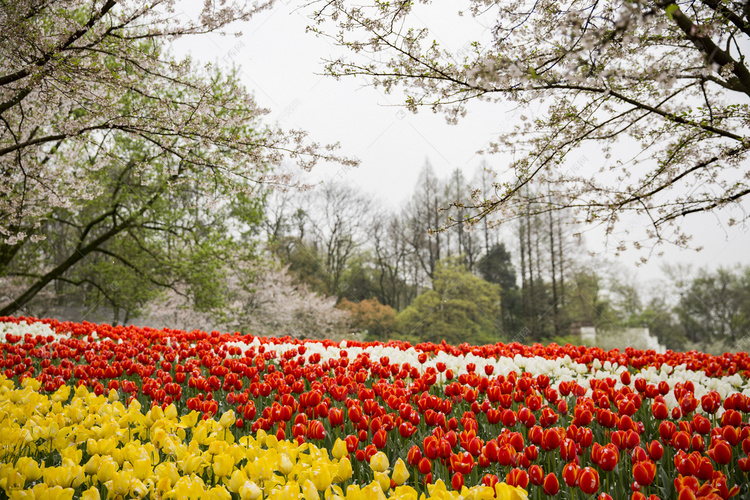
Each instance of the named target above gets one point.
<point>551,485</point>
<point>379,462</point>
<point>400,473</point>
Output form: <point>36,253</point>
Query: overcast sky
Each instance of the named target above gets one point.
<point>281,65</point>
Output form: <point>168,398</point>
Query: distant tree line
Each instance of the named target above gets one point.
<point>400,278</point>
<point>331,261</point>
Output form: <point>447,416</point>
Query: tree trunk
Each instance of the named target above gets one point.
<point>77,255</point>
<point>555,312</point>
<point>532,292</point>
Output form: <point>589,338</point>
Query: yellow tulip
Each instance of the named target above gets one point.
<point>156,413</point>
<point>107,446</point>
<point>190,419</point>
<point>59,493</point>
<point>227,419</point>
<point>217,447</point>
<point>321,477</point>
<point>484,493</point>
<point>91,494</point>
<point>285,464</point>
<point>191,463</point>
<point>169,471</point>
<point>61,394</point>
<point>163,485</point>
<point>113,396</point>
<point>120,484</point>
<point>11,480</point>
<point>21,495</point>
<point>142,469</point>
<point>310,490</point>
<point>271,442</point>
<point>406,493</point>
<point>187,487</point>
<point>73,454</point>
<point>400,473</point>
<point>379,462</point>
<point>58,476</point>
<point>507,492</point>
<point>373,491</point>
<point>32,383</point>
<point>29,468</point>
<point>219,493</point>
<point>236,481</point>
<point>138,488</point>
<point>339,449</point>
<point>250,491</point>
<point>383,480</point>
<point>107,469</point>
<point>170,412</point>
<point>223,464</point>
<point>343,471</point>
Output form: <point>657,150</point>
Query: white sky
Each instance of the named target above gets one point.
<point>281,65</point>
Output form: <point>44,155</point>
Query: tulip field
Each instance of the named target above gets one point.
<point>94,411</point>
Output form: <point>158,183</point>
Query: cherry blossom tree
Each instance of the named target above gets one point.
<point>75,74</point>
<point>265,300</point>
<point>658,90</point>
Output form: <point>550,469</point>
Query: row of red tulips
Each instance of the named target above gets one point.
<point>619,432</point>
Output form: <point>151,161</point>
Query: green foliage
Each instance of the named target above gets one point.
<point>304,262</point>
<point>715,306</point>
<point>370,316</point>
<point>459,308</point>
<point>145,230</point>
<point>586,301</point>
<point>496,267</point>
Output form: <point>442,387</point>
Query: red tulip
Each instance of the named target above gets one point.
<point>518,478</point>
<point>655,450</point>
<point>681,440</point>
<point>582,416</point>
<point>474,446</point>
<point>644,472</point>
<point>551,485</point>
<point>535,435</point>
<point>490,480</point>
<point>425,465</point>
<point>548,418</point>
<point>457,481</point>
<point>704,470</point>
<point>509,418</point>
<point>568,450</point>
<point>588,480</point>
<point>570,474</point>
<point>536,475</point>
<point>730,435</point>
<point>491,450</point>
<point>380,439</point>
<point>462,462</point>
<point>550,439</point>
<point>720,452</point>
<point>335,417</point>
<point>666,430</point>
<point>697,443</point>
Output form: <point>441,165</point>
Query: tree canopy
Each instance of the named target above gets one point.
<point>659,88</point>
<point>76,74</point>
<point>459,308</point>
<point>125,169</point>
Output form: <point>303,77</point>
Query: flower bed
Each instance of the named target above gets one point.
<point>95,411</point>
